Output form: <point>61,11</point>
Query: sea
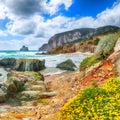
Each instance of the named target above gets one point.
<point>51,61</point>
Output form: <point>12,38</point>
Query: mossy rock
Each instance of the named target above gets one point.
<point>29,65</point>
<point>23,64</point>
<point>67,65</point>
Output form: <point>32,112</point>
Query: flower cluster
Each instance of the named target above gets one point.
<point>94,103</point>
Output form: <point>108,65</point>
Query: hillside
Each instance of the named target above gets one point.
<point>86,45</point>
<point>76,35</point>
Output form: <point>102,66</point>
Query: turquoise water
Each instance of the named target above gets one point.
<point>50,60</point>
<point>18,54</point>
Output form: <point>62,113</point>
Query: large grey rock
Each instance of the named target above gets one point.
<point>29,65</point>
<point>23,64</point>
<point>8,62</point>
<point>67,65</point>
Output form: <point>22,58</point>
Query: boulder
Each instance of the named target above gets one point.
<point>23,64</point>
<point>3,94</point>
<point>67,65</point>
<point>29,65</point>
<point>8,62</point>
<point>24,48</point>
<point>11,89</point>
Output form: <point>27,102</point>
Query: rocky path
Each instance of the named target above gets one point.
<point>67,86</point>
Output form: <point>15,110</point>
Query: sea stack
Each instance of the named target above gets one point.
<point>24,48</point>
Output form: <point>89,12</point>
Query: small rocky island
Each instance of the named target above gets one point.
<point>24,48</point>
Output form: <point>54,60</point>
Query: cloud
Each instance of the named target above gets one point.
<point>3,33</point>
<point>32,43</point>
<point>24,8</point>
<point>54,5</point>
<point>36,30</point>
<point>21,27</point>
<point>28,8</point>
<point>110,16</point>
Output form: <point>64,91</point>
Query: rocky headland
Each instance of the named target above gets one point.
<point>75,36</point>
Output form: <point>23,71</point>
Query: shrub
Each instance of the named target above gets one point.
<point>20,88</point>
<point>105,46</point>
<point>38,76</point>
<point>96,41</point>
<point>87,62</point>
<point>94,103</point>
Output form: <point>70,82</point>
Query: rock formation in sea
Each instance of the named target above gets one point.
<point>75,35</point>
<point>24,48</point>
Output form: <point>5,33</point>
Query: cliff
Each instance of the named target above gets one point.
<point>75,35</point>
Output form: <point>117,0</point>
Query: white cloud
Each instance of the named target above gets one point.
<point>2,11</point>
<point>32,43</point>
<point>53,5</point>
<point>36,30</point>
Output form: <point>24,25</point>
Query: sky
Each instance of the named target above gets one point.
<point>33,22</point>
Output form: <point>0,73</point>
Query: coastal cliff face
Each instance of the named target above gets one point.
<point>75,36</point>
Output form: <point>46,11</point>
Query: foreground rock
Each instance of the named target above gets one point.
<point>67,65</point>
<point>23,64</point>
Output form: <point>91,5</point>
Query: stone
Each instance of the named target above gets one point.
<point>8,62</point>
<point>29,65</point>
<point>23,64</point>
<point>37,88</point>
<point>67,65</point>
<point>48,94</point>
<point>27,95</point>
<point>24,48</point>
<point>11,89</point>
<point>3,95</point>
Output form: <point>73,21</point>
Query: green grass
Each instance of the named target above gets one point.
<point>87,62</point>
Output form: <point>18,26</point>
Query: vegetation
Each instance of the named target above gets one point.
<point>94,103</point>
<point>20,88</point>
<point>96,41</point>
<point>87,62</point>
<point>105,46</point>
<point>38,76</point>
